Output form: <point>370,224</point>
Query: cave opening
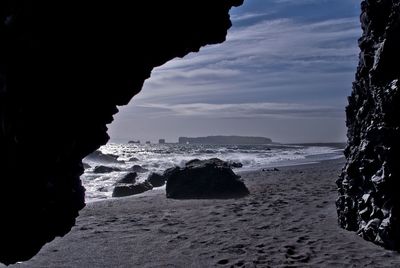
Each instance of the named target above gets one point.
<point>285,79</point>
<point>278,84</point>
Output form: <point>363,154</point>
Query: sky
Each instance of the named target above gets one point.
<point>284,72</point>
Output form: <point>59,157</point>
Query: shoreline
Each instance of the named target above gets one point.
<point>240,171</point>
<point>99,186</point>
<point>288,220</point>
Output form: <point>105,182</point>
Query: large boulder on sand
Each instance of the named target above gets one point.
<point>219,162</point>
<point>212,178</point>
<point>156,179</point>
<point>121,190</point>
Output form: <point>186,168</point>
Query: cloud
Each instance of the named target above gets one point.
<point>286,68</point>
<point>243,110</point>
<point>238,18</point>
<point>267,61</point>
<point>298,2</point>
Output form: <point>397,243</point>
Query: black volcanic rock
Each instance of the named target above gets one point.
<point>368,201</point>
<point>138,169</point>
<point>86,165</point>
<point>133,159</point>
<point>156,179</point>
<point>104,169</point>
<point>234,164</point>
<point>98,156</point>
<point>215,161</point>
<point>129,178</point>
<point>210,178</point>
<point>122,190</point>
<point>65,66</point>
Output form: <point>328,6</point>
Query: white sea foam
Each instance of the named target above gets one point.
<point>158,157</point>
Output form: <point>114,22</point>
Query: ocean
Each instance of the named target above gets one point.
<point>159,157</point>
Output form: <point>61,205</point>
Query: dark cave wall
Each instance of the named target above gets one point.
<point>369,202</point>
<point>65,66</point>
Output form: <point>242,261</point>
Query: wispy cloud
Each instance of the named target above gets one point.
<point>298,2</point>
<point>276,56</point>
<point>236,18</point>
<point>244,110</point>
<point>286,67</point>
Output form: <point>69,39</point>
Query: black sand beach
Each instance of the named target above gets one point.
<point>288,220</point>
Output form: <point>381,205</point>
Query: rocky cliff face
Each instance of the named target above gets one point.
<point>65,66</point>
<point>369,202</point>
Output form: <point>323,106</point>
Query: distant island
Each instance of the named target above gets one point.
<point>224,140</point>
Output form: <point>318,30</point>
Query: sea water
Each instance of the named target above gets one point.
<point>159,157</point>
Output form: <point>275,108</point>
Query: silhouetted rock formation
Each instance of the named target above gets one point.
<point>104,169</point>
<point>225,140</point>
<point>129,178</point>
<point>218,162</point>
<point>138,169</point>
<point>121,190</point>
<point>64,68</point>
<point>233,164</point>
<point>210,178</point>
<point>156,179</point>
<point>98,156</point>
<point>368,187</point>
<point>86,165</point>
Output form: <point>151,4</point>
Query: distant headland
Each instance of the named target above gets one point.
<point>224,140</point>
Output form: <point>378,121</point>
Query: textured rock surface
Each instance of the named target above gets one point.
<point>368,187</point>
<point>127,189</point>
<point>212,178</point>
<point>215,161</point>
<point>156,179</point>
<point>129,178</point>
<point>104,169</point>
<point>98,156</point>
<point>138,169</point>
<point>64,68</point>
